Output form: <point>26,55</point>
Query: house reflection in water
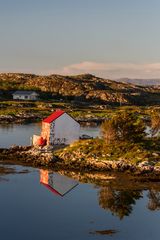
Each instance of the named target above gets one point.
<point>57,183</point>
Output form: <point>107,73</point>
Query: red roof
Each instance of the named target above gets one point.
<point>53,116</point>
<point>51,189</point>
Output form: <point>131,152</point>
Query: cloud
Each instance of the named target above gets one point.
<point>106,70</point>
<point>113,70</point>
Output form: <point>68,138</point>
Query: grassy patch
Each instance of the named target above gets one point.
<point>98,150</point>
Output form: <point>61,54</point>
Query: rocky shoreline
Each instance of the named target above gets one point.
<point>19,118</point>
<point>26,155</point>
<point>32,157</point>
<point>32,118</point>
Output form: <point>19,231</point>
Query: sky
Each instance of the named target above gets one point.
<point>108,38</point>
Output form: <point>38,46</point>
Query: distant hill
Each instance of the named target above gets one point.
<point>82,88</point>
<point>142,82</point>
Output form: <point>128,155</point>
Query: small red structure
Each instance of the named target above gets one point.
<point>41,141</point>
<point>38,141</point>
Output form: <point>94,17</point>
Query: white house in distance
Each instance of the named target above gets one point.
<point>60,128</point>
<point>25,95</point>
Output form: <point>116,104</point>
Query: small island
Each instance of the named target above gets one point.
<point>129,143</point>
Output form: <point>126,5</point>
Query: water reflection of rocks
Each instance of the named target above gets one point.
<point>119,194</point>
<point>154,200</point>
<point>116,194</point>
<point>7,169</point>
<point>120,203</point>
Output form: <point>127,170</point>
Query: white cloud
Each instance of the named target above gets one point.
<point>113,70</point>
<point>106,70</point>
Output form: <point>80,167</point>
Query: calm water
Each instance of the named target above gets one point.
<point>45,205</point>
<point>38,204</point>
<point>21,134</point>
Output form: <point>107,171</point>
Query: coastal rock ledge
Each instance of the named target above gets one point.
<point>26,155</point>
<point>55,160</point>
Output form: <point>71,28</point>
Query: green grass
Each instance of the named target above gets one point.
<point>127,151</point>
<point>46,107</point>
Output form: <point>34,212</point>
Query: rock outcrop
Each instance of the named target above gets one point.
<point>27,155</point>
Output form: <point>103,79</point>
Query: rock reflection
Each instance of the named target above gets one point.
<point>105,232</point>
<point>154,200</point>
<point>4,170</point>
<point>120,203</point>
<point>118,193</point>
<point>7,169</point>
